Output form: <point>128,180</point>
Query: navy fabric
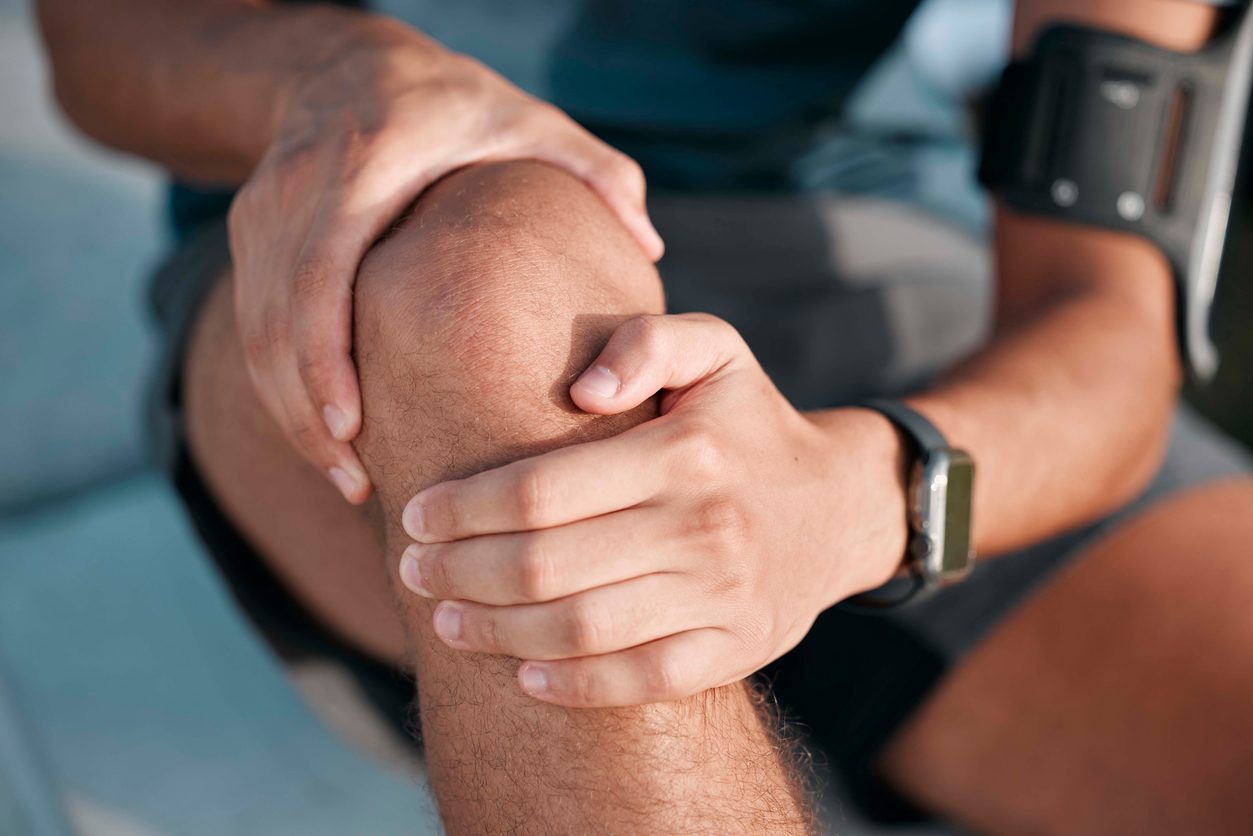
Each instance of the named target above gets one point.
<point>708,95</point>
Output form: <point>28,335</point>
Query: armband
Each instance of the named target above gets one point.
<point>1107,131</point>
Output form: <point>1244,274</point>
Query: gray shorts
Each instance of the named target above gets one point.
<point>840,298</point>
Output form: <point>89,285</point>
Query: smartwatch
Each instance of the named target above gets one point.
<point>939,493</point>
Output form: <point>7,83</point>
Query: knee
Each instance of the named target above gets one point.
<point>492,296</point>
<point>496,259</point>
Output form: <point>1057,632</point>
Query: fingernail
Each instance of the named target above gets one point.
<point>336,421</point>
<point>346,484</point>
<point>448,622</point>
<point>534,680</point>
<point>600,382</point>
<point>411,573</point>
<point>414,520</point>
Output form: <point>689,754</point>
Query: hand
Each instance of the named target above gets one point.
<point>683,554</point>
<point>357,142</point>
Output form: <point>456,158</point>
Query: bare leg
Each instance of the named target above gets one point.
<point>472,319</point>
<point>1117,701</point>
<point>279,502</point>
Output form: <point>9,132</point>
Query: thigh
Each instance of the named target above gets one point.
<point>325,551</point>
<point>1117,699</point>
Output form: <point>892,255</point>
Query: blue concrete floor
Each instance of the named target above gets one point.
<point>151,698</point>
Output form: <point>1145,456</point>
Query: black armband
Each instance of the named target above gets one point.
<point>1107,131</point>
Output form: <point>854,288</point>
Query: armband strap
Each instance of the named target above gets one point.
<point>1107,131</point>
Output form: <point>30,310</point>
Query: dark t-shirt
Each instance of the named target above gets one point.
<point>709,95</point>
<point>705,94</point>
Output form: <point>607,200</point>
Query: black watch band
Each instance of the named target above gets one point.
<point>925,436</point>
<point>928,443</point>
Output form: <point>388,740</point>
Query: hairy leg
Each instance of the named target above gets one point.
<point>471,324</point>
<point>473,318</point>
<point>1118,700</point>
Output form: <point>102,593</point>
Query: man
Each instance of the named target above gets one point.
<point>439,305</point>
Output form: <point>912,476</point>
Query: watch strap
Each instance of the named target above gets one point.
<point>925,435</point>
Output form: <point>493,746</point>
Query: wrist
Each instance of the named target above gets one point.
<point>866,499</point>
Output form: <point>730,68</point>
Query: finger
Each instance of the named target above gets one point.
<point>337,459</point>
<point>344,228</point>
<point>272,372</point>
<point>616,178</point>
<point>650,353</point>
<point>598,621</point>
<point>322,280</point>
<point>537,566</point>
<point>573,483</point>
<point>349,219</point>
<point>322,337</point>
<point>672,668</point>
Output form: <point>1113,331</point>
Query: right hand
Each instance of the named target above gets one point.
<point>359,138</point>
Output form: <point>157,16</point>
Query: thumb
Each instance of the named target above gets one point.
<point>649,354</point>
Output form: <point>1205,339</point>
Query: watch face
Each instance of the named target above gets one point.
<point>957,509</point>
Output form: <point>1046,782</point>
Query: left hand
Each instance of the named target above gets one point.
<point>681,555</point>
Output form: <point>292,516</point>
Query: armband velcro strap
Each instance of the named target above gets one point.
<point>1104,130</point>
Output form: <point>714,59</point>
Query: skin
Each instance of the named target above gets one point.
<point>1116,701</point>
<point>1082,366</point>
<point>671,577</point>
<point>1085,326</point>
<point>332,136</point>
<point>470,320</point>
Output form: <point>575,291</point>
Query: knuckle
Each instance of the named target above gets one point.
<point>649,334</point>
<point>293,154</point>
<point>700,454</point>
<point>271,335</point>
<point>720,522</point>
<point>712,320</point>
<point>433,566</point>
<point>627,171</point>
<point>536,574</point>
<point>724,332</point>
<point>315,370</point>
<point>661,676</point>
<point>532,495</point>
<point>530,124</point>
<point>276,330</point>
<point>586,627</point>
<point>349,132</point>
<point>442,511</point>
<point>732,578</point>
<point>732,337</point>
<point>358,138</point>
<point>305,434</point>
<point>255,345</point>
<point>487,630</point>
<point>310,280</point>
<point>462,82</point>
<point>584,686</point>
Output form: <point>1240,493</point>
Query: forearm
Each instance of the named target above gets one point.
<point>198,87</point>
<point>1067,409</point>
